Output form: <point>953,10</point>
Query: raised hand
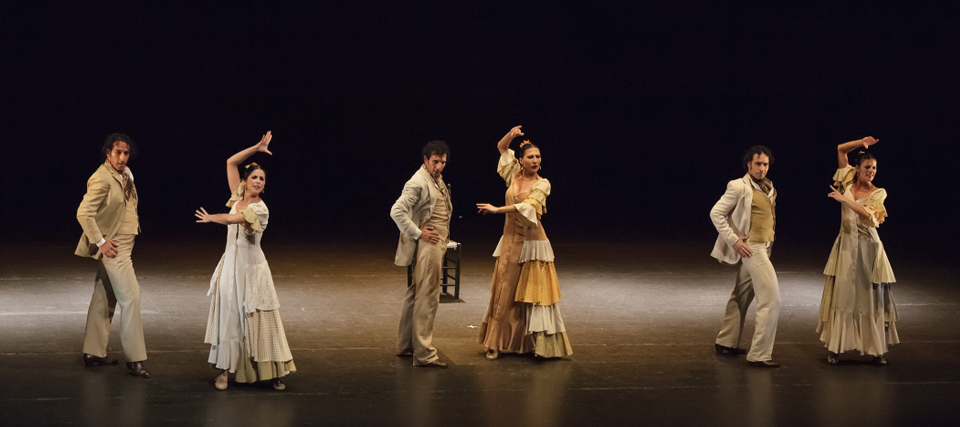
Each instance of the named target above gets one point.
<point>203,215</point>
<point>515,132</point>
<point>264,143</point>
<point>485,208</point>
<point>836,194</point>
<point>868,141</point>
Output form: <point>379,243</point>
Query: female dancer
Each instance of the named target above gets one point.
<point>244,329</point>
<point>523,315</point>
<point>857,311</point>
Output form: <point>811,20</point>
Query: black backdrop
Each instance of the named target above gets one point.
<point>642,113</point>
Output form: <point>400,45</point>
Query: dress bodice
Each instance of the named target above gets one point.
<point>515,223</point>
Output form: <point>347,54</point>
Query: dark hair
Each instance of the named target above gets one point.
<point>863,156</point>
<point>113,138</point>
<point>752,151</point>
<point>248,169</point>
<point>524,147</point>
<point>436,147</point>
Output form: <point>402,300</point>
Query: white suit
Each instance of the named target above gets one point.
<point>756,275</point>
<point>424,201</point>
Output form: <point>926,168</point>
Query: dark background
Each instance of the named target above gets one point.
<point>642,113</point>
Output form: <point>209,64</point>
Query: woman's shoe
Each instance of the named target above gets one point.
<point>279,385</point>
<point>221,382</point>
<point>833,358</point>
<point>879,360</point>
<point>492,354</point>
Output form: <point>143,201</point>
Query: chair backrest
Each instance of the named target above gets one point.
<point>450,197</point>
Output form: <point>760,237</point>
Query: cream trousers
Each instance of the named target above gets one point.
<point>756,277</point>
<point>116,283</point>
<point>420,304</point>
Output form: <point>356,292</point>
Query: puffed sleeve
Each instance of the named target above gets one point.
<point>843,177</point>
<point>256,216</point>
<point>236,195</point>
<point>509,166</point>
<point>874,205</point>
<point>535,205</point>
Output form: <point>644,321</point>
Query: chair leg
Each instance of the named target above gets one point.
<point>456,280</point>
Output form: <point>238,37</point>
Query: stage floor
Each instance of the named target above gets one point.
<point>642,318</point>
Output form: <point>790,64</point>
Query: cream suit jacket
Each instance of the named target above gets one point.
<point>731,217</point>
<point>412,210</point>
<point>101,211</point>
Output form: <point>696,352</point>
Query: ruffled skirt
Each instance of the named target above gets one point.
<point>857,309</point>
<point>844,327</point>
<point>254,346</point>
<point>523,315</point>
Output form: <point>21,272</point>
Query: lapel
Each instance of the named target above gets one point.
<point>429,183</point>
<point>119,176</point>
<point>113,172</point>
<point>748,191</point>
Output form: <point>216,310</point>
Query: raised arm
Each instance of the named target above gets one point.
<point>504,143</point>
<point>233,175</point>
<point>847,147</point>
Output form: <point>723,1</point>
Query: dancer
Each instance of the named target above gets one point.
<point>422,213</point>
<point>857,311</point>
<point>746,218</point>
<point>108,216</point>
<point>244,329</point>
<point>523,315</point>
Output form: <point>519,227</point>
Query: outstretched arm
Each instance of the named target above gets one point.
<point>225,219</point>
<point>485,208</point>
<point>504,143</point>
<point>861,212</point>
<point>847,147</point>
<point>233,175</point>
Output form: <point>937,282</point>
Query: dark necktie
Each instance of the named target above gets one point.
<point>765,185</point>
<point>128,187</point>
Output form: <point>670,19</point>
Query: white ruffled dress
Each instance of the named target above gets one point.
<point>524,315</point>
<point>857,310</point>
<point>244,329</point>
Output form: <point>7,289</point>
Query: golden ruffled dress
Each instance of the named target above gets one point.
<point>523,315</point>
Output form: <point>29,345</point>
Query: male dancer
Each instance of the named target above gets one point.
<point>108,216</point>
<point>746,218</point>
<point>422,214</point>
